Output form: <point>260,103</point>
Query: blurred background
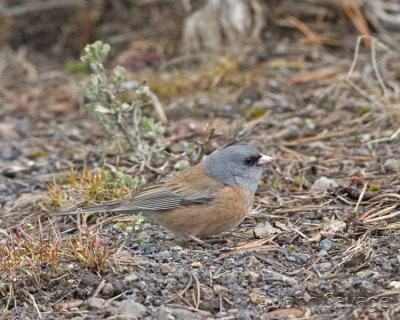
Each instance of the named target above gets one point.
<point>38,38</point>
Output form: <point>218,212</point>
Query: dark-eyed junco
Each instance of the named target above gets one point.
<point>208,198</point>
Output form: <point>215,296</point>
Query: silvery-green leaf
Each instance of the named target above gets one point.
<point>101,109</point>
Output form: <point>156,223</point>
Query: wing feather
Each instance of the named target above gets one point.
<point>177,192</point>
<point>169,196</point>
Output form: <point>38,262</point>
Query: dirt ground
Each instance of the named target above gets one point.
<point>321,240</point>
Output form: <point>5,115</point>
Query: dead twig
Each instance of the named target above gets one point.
<point>392,215</point>
<point>374,43</point>
<point>196,293</point>
<point>323,136</point>
<point>360,198</point>
<point>180,294</point>
<point>241,134</point>
<point>210,135</point>
<point>158,107</point>
<point>310,35</point>
<point>319,74</point>
<point>253,245</point>
<point>379,213</point>
<point>394,136</point>
<point>307,208</point>
<point>33,303</point>
<point>352,10</point>
<point>99,288</point>
<point>387,195</point>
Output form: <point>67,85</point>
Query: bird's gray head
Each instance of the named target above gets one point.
<point>236,165</point>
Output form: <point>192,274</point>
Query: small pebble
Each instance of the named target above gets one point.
<point>245,315</point>
<point>177,257</point>
<point>131,278</point>
<point>232,284</point>
<point>323,184</point>
<point>221,315</point>
<point>144,277</point>
<point>240,263</point>
<point>326,244</point>
<point>178,276</point>
<point>253,277</point>
<point>95,303</point>
<point>131,308</point>
<point>108,289</point>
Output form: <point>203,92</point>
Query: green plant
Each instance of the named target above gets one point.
<point>135,229</point>
<point>133,133</point>
<point>273,183</point>
<point>97,185</point>
<point>300,181</point>
<point>119,178</point>
<point>137,225</point>
<point>91,250</point>
<point>31,250</point>
<point>74,66</point>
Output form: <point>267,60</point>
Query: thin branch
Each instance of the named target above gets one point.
<point>391,138</point>
<point>360,198</point>
<point>34,303</point>
<point>392,215</point>
<point>376,70</point>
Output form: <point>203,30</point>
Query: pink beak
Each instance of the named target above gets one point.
<point>264,159</point>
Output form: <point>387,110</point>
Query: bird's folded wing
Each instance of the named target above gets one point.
<point>169,196</point>
<point>163,196</point>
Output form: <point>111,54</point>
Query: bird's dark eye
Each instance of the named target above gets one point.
<point>252,160</point>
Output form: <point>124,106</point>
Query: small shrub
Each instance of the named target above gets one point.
<point>141,137</point>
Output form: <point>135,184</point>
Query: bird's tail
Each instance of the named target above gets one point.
<point>109,206</point>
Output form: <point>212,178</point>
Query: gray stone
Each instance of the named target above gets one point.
<point>95,303</point>
<point>165,268</point>
<point>131,308</point>
<point>253,277</point>
<point>130,278</point>
<point>181,314</point>
<point>392,165</point>
<point>108,289</point>
<point>323,184</point>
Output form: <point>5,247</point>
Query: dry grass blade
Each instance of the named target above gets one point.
<point>360,198</point>
<point>196,293</point>
<point>252,245</point>
<point>374,44</point>
<point>380,212</point>
<point>361,250</point>
<point>322,136</point>
<point>306,208</point>
<point>310,35</point>
<point>303,28</point>
<point>394,136</point>
<point>323,73</point>
<point>35,306</point>
<point>388,216</point>
<point>352,10</point>
<point>181,293</point>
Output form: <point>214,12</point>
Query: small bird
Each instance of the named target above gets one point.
<point>206,199</point>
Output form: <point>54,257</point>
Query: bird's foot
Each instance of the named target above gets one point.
<point>199,241</point>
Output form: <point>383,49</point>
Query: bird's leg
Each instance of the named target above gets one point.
<point>214,239</point>
<point>201,242</point>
